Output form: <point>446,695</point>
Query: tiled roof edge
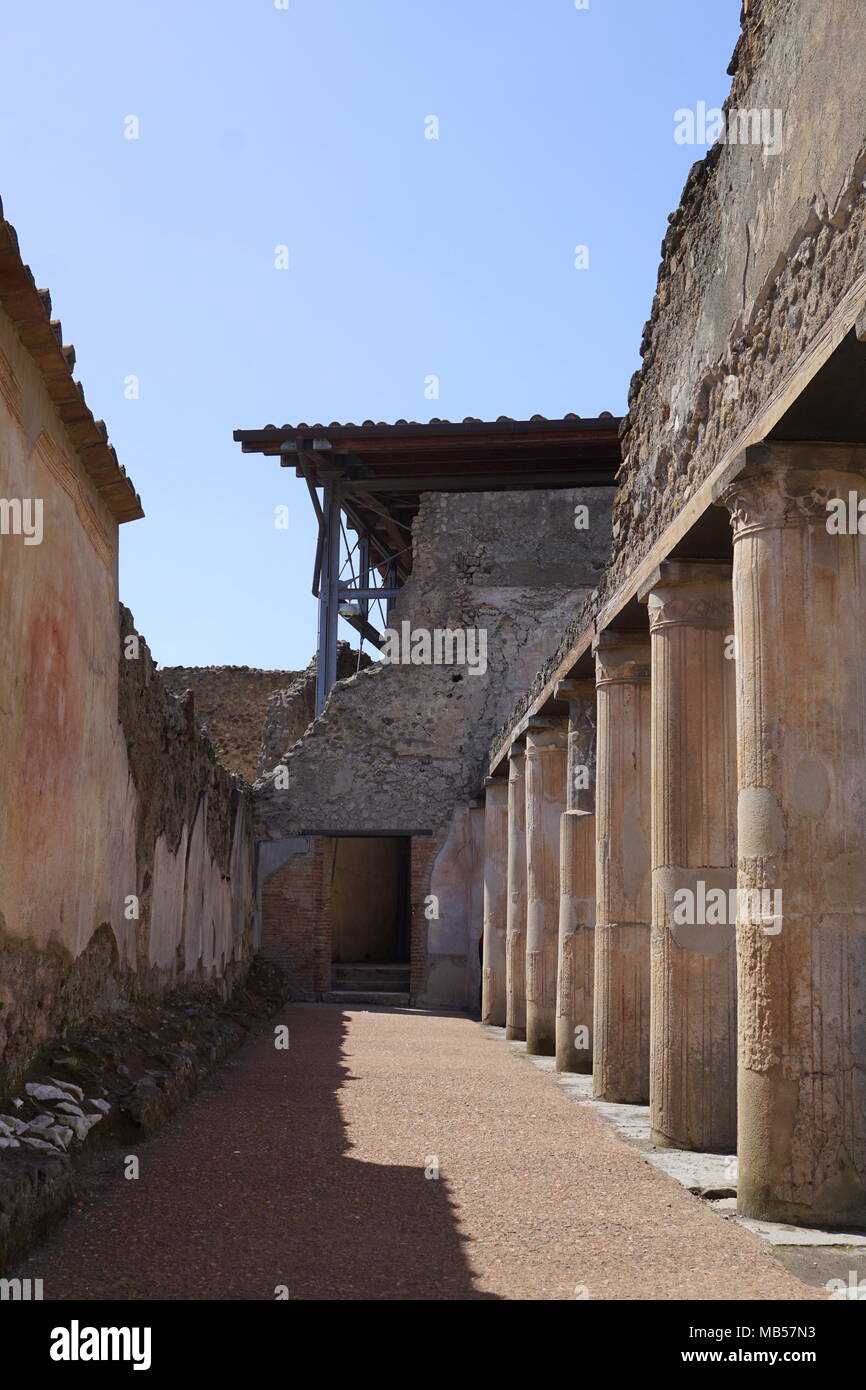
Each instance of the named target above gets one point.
<point>29,309</point>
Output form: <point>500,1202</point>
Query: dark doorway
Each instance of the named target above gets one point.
<point>370,899</point>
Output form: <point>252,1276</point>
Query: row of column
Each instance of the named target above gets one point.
<point>675,890</point>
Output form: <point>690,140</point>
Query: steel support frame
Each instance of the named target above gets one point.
<point>331,591</point>
<point>329,594</point>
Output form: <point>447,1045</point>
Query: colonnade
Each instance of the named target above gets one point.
<point>676,890</point>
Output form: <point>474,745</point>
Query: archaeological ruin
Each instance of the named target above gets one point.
<point>672,705</point>
<point>593,767</point>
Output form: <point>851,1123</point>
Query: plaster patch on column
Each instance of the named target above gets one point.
<point>584,912</point>
<point>708,939</point>
<point>535,929</point>
<point>811,789</point>
<point>566,980</point>
<point>760,823</point>
<point>534,961</point>
<point>845,878</point>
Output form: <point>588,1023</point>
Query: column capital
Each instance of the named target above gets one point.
<point>581,703</point>
<point>621,657</point>
<point>516,759</point>
<point>574,690</point>
<point>689,593</point>
<point>544,731</point>
<point>790,484</point>
<point>495,784</point>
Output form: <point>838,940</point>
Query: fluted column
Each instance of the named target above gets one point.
<point>620,1064</point>
<point>693,1055</point>
<point>799,606</point>
<point>475,902</point>
<point>495,900</point>
<point>577,884</point>
<point>515,931</point>
<point>546,771</point>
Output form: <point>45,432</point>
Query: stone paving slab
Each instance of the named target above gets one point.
<point>779,1234</point>
<point>701,1173</point>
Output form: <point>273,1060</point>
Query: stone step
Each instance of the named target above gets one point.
<point>370,977</point>
<point>365,990</point>
<point>389,966</point>
<point>386,998</point>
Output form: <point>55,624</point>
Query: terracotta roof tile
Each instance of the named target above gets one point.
<point>29,309</point>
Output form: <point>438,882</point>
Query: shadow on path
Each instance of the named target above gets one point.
<point>252,1186</point>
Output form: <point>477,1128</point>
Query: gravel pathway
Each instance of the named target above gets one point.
<point>305,1169</point>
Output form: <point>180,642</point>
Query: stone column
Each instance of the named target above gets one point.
<point>799,606</point>
<point>577,884</point>
<point>620,1063</point>
<point>515,930</point>
<point>693,1052</point>
<point>475,903</point>
<point>495,900</point>
<point>546,771</point>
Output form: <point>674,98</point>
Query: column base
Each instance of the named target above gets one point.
<point>569,1057</point>
<point>613,1096</point>
<point>669,1141</point>
<point>777,1179</point>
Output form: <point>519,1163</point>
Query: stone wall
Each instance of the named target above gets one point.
<point>292,709</point>
<point>761,253</point>
<point>398,745</point>
<point>231,702</point>
<point>757,255</point>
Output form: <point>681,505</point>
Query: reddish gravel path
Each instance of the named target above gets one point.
<point>305,1168</point>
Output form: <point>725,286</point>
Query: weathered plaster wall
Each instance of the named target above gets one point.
<point>454,935</point>
<point>399,745</point>
<point>106,790</point>
<point>194,847</point>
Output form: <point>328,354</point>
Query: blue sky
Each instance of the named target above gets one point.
<point>304,127</point>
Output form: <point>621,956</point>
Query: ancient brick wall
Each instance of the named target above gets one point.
<point>298,917</point>
<point>295,919</point>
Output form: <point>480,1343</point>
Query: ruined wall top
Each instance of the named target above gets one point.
<point>765,242</point>
<point>231,702</point>
<point>763,260</point>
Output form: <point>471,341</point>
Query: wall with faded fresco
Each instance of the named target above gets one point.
<point>125,849</point>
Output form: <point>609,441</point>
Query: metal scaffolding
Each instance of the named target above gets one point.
<point>350,580</point>
<point>366,483</point>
